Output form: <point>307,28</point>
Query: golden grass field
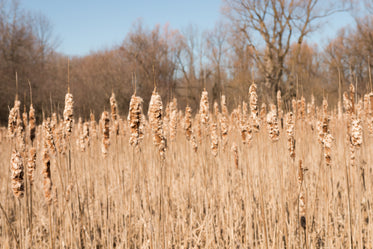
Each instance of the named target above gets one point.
<point>134,198</point>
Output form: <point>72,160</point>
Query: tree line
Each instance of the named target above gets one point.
<point>256,41</point>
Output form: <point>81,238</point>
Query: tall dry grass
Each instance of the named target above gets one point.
<point>249,196</point>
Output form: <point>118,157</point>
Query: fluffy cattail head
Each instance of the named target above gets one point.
<point>204,108</point>
<point>156,123</point>
<point>13,117</point>
<point>31,164</point>
<point>356,132</point>
<point>272,124</point>
<point>16,164</point>
<point>68,113</point>
<point>106,133</point>
<point>290,132</point>
<point>134,119</point>
<point>214,139</point>
<point>114,107</point>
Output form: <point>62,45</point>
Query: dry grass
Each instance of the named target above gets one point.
<point>193,199</point>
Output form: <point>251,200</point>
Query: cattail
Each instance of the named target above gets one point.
<point>114,114</point>
<point>79,131</point>
<point>234,150</point>
<point>155,119</point>
<point>48,136</point>
<point>84,137</point>
<point>21,143</point>
<point>347,104</point>
<point>59,139</point>
<point>204,108</point>
<point>224,130</point>
<point>92,126</point>
<point>16,164</point>
<point>302,209</point>
<point>356,133</point>
<point>142,126</point>
<point>272,124</point>
<point>32,123</point>
<point>188,122</point>
<point>68,114</point>
<point>355,138</point>
<point>327,143</point>
<point>290,134</point>
<point>302,199</point>
<point>106,133</point>
<point>173,119</point>
<point>198,128</point>
<point>47,182</point>
<point>54,122</point>
<point>31,164</point>
<point>302,109</point>
<point>360,109</point>
<point>13,117</point>
<point>214,139</point>
<point>194,143</point>
<point>114,107</point>
<point>254,121</point>
<point>134,119</point>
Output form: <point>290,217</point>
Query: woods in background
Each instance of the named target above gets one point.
<point>259,41</point>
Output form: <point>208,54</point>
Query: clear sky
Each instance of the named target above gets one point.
<point>83,26</point>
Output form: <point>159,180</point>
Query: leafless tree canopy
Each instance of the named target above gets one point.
<point>256,41</point>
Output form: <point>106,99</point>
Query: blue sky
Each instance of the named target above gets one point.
<point>83,26</point>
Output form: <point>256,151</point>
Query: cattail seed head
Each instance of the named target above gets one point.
<point>204,108</point>
<point>290,132</point>
<point>17,173</point>
<point>31,164</point>
<point>134,119</point>
<point>272,124</point>
<point>356,132</point>
<point>13,117</point>
<point>214,139</point>
<point>156,123</point>
<point>106,133</point>
<point>68,113</point>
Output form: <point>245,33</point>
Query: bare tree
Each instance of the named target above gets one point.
<point>270,26</point>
